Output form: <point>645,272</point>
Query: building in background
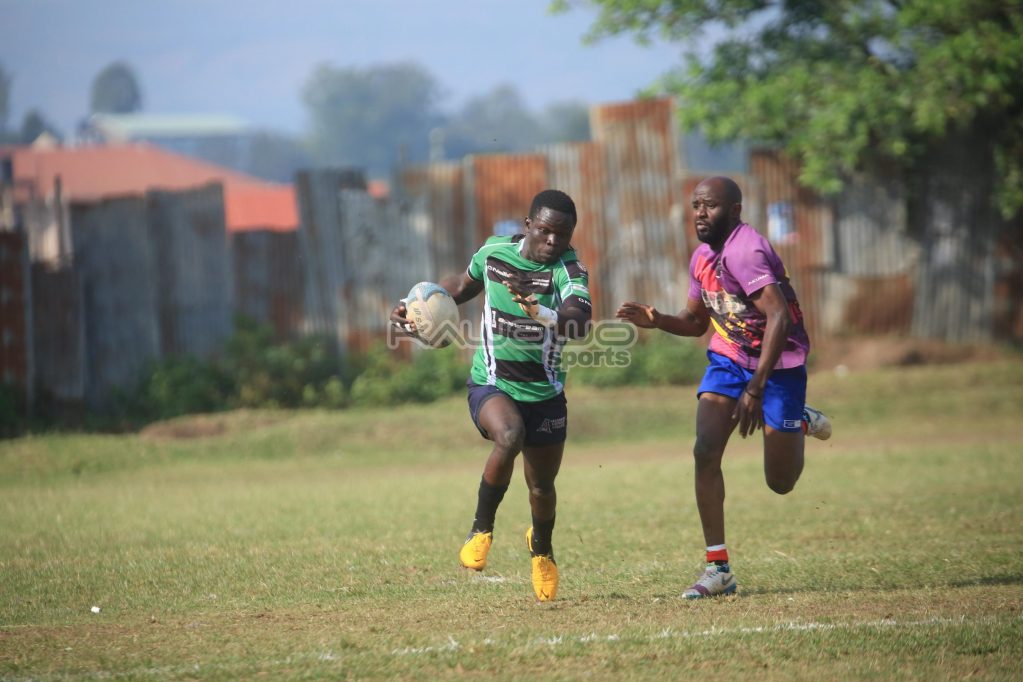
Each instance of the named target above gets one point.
<point>220,139</point>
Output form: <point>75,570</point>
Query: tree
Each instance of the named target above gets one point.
<point>371,118</point>
<point>276,156</point>
<point>566,122</point>
<point>115,90</point>
<point>34,125</point>
<point>495,122</point>
<point>842,83</point>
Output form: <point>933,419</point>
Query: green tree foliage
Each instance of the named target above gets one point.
<point>276,156</point>
<point>841,83</point>
<point>115,90</point>
<point>566,122</point>
<point>34,125</point>
<point>371,118</point>
<point>500,121</point>
<point>495,122</point>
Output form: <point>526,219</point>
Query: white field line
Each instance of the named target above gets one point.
<point>452,645</point>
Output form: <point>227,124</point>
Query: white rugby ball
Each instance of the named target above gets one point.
<point>434,313</point>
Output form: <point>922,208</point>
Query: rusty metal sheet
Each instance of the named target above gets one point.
<point>500,188</point>
<point>435,202</point>
<point>268,279</point>
<point>193,269</point>
<point>115,264</point>
<point>642,204</point>
<point>58,334</point>
<point>15,340</point>
<point>577,168</point>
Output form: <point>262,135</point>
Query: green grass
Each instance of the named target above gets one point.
<point>323,545</point>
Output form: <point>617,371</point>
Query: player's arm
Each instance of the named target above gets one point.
<point>572,318</point>
<point>462,287</point>
<point>771,302</point>
<point>693,320</point>
<point>750,409</point>
<point>575,317</point>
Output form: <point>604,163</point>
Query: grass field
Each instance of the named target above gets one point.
<point>323,545</point>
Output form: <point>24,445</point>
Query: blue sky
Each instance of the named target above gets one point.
<point>251,58</point>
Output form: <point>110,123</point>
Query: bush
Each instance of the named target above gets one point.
<point>659,359</point>
<point>12,410</point>
<point>178,386</point>
<point>387,380</point>
<point>305,373</point>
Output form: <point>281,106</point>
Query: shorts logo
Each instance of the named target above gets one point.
<point>790,424</point>
<point>551,425</point>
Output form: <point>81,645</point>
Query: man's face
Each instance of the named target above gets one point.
<point>712,213</point>
<point>548,235</point>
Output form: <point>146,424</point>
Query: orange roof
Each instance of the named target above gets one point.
<point>94,172</point>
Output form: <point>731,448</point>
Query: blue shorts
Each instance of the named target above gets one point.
<point>784,393</point>
<point>546,421</point>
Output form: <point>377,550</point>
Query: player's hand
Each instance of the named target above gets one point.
<point>639,314</point>
<point>528,302</point>
<point>400,322</point>
<point>749,411</point>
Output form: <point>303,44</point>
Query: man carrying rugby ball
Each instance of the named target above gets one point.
<point>536,298</point>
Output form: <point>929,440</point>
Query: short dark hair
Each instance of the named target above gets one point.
<point>554,199</point>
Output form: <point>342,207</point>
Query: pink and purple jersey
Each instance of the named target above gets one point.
<point>725,280</point>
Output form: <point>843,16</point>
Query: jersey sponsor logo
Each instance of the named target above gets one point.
<point>521,280</point>
<point>503,275</point>
<point>518,329</point>
<point>723,303</point>
<point>552,425</point>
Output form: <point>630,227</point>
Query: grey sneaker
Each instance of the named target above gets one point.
<point>817,423</point>
<point>715,580</point>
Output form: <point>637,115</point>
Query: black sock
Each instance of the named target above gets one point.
<point>489,498</point>
<point>542,532</point>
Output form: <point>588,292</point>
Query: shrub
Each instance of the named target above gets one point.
<point>12,410</point>
<point>293,374</point>
<point>388,380</point>
<point>659,359</point>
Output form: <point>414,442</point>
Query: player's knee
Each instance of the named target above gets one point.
<point>706,454</point>
<point>510,437</point>
<point>542,491</point>
<point>781,485</point>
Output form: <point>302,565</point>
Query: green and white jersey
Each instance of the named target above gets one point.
<point>516,353</point>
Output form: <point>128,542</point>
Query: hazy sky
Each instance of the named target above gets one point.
<point>251,57</point>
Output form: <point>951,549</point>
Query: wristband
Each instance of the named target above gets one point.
<point>753,395</point>
<point>546,316</point>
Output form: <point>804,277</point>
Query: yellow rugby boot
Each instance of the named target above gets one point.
<point>474,552</point>
<point>545,571</point>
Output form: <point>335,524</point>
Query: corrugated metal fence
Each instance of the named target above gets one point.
<point>157,275</point>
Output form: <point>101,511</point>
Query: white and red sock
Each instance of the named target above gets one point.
<point>717,554</point>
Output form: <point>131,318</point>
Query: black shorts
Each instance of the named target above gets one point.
<point>546,421</point>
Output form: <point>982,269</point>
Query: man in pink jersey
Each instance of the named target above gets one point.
<point>756,378</point>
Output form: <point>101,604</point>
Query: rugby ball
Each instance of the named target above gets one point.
<point>434,313</point>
